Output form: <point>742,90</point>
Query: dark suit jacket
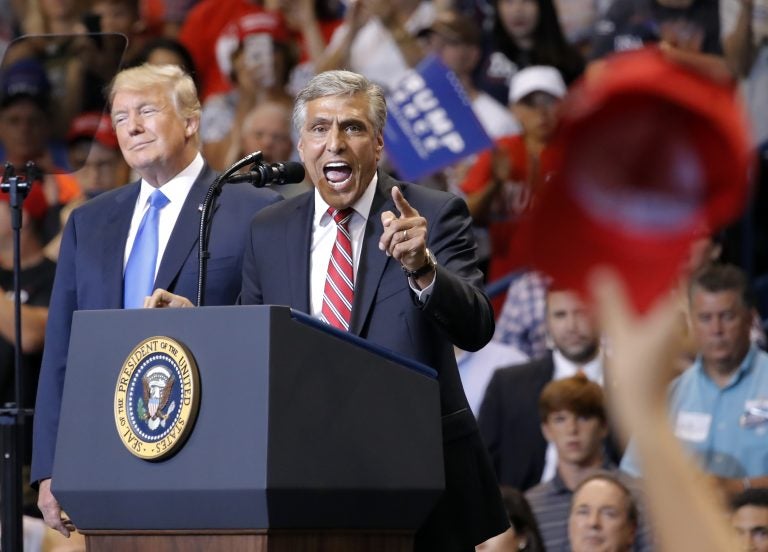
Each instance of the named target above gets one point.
<point>90,276</point>
<point>385,311</point>
<point>510,425</point>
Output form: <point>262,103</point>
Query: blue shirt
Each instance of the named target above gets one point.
<point>726,428</point>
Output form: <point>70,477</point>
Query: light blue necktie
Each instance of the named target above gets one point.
<point>139,278</point>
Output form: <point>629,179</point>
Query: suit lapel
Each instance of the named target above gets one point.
<point>298,234</point>
<point>185,232</point>
<point>118,217</point>
<point>372,260</point>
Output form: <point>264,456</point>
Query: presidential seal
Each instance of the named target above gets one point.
<point>156,398</point>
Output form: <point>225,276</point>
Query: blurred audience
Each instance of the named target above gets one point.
<point>258,65</point>
<point>378,39</point>
<point>25,130</point>
<point>457,40</point>
<point>312,22</point>
<point>687,31</point>
<point>212,27</point>
<point>95,155</point>
<point>122,16</point>
<point>267,128</point>
<point>744,32</point>
<point>578,19</point>
<point>167,51</point>
<point>525,33</point>
<point>98,167</point>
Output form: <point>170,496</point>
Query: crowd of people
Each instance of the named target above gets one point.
<point>165,93</point>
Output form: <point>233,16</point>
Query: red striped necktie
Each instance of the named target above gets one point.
<point>339,289</point>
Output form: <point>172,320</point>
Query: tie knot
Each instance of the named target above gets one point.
<point>341,216</point>
<point>158,199</point>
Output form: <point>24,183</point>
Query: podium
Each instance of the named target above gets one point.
<point>306,438</point>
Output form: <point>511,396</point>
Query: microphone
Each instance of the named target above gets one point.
<point>264,174</point>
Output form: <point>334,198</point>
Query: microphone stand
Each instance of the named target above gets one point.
<point>205,214</point>
<point>12,418</point>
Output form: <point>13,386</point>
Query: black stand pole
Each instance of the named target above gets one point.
<point>12,419</point>
<point>205,215</point>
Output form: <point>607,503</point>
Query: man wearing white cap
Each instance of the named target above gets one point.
<point>500,185</point>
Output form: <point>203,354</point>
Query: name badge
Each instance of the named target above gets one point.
<point>693,426</point>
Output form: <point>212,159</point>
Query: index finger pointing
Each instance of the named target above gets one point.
<point>402,205</point>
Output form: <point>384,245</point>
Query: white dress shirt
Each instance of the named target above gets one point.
<point>176,190</point>
<point>324,236</point>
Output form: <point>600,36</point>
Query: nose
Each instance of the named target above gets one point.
<point>716,326</point>
<point>336,140</point>
<point>134,124</point>
<point>571,425</point>
<point>572,322</point>
<point>594,518</point>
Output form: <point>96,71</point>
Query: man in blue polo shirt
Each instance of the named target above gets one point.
<point>719,406</point>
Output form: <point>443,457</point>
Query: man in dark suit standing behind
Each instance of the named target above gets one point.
<point>416,288</point>
<point>122,244</point>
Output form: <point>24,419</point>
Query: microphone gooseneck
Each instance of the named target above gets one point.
<point>261,174</point>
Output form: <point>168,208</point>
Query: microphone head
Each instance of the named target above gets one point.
<point>292,172</point>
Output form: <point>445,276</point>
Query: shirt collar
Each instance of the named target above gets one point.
<point>177,188</point>
<point>744,368</point>
<point>565,368</point>
<point>362,206</point>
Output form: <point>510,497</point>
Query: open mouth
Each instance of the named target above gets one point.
<point>337,174</point>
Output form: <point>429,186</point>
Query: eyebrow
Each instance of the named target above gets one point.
<point>342,122</point>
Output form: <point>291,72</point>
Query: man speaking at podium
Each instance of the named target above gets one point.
<point>119,246</point>
<point>409,282</point>
<point>391,262</point>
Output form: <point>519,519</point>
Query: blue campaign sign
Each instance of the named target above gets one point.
<point>430,122</point>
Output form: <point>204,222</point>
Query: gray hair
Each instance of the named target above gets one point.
<point>342,83</point>
<point>147,76</point>
<point>715,278</point>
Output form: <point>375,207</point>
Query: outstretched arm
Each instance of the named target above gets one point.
<point>684,510</point>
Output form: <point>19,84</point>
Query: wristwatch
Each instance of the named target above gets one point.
<point>429,265</point>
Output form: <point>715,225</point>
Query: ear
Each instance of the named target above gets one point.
<point>300,148</point>
<point>545,431</point>
<point>191,126</point>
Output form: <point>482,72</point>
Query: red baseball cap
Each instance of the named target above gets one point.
<point>93,125</point>
<point>651,153</point>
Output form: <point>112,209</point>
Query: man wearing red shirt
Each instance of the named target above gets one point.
<point>500,186</point>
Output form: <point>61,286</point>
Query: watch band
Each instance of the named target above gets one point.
<point>428,266</point>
